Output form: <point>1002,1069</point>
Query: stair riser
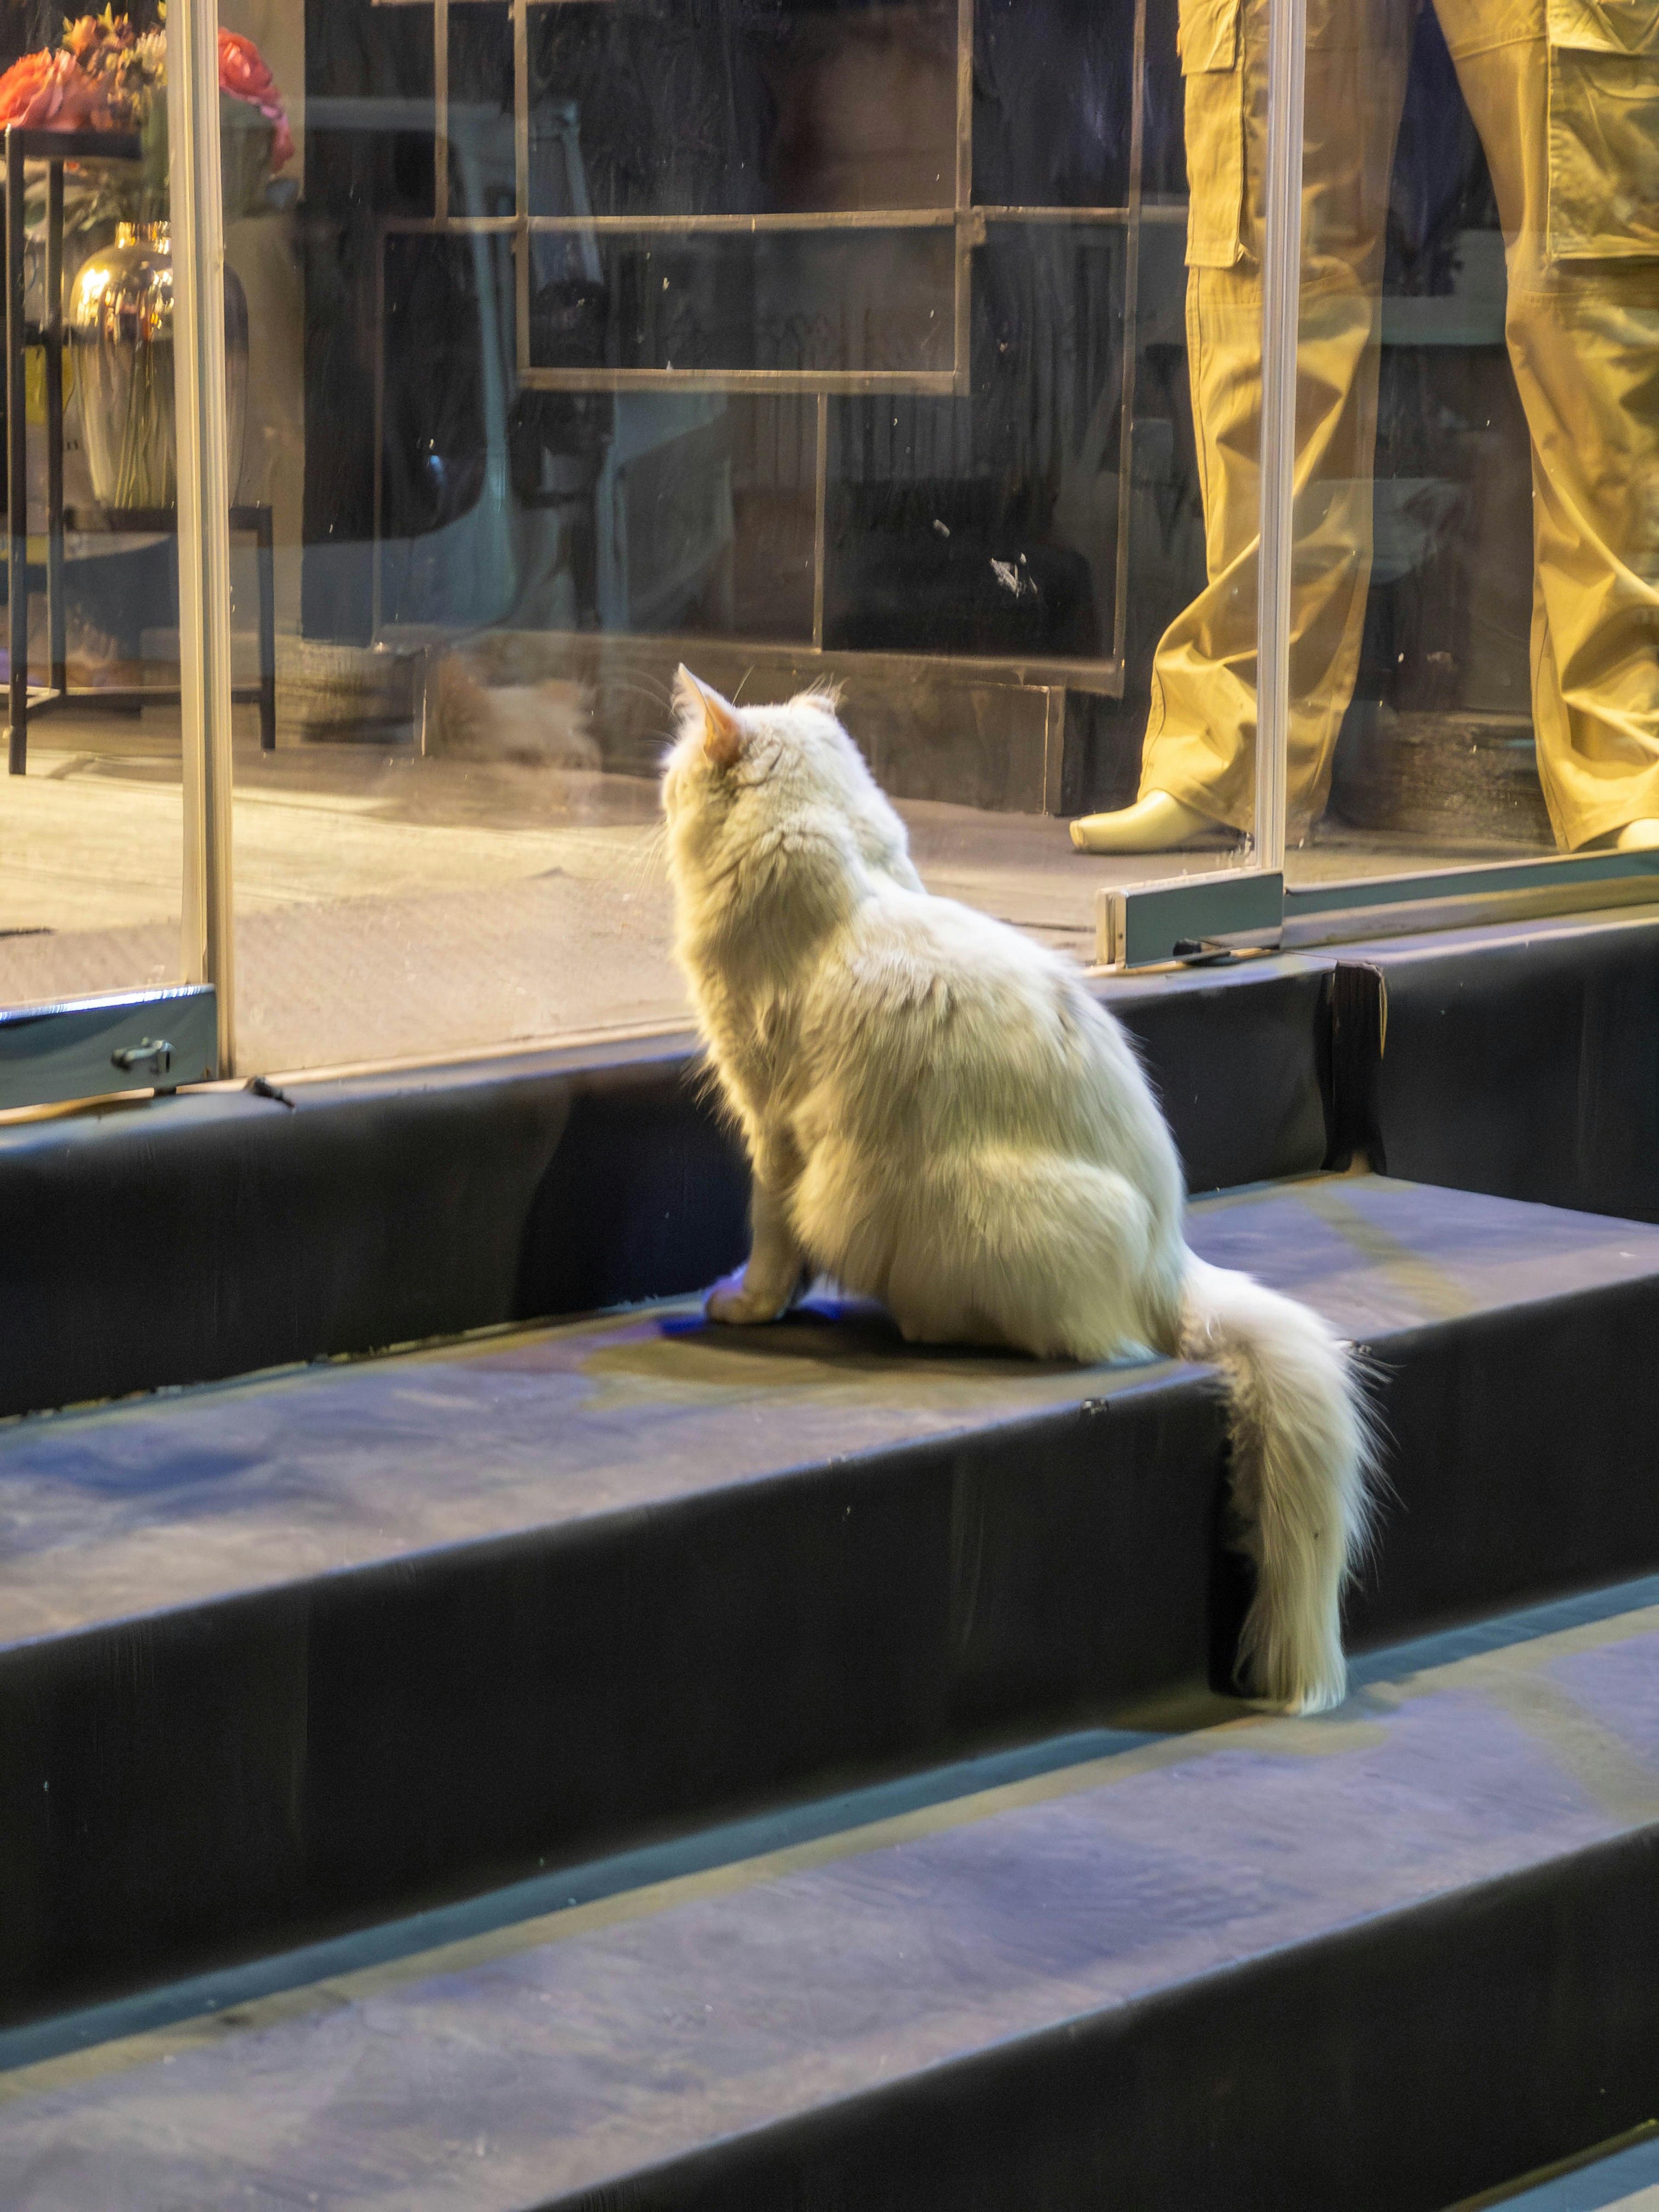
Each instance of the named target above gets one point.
<point>1525,1065</point>
<point>1522,1456</point>
<point>355,1221</point>
<point>1398,2067</point>
<point>383,1211</point>
<point>232,1776</point>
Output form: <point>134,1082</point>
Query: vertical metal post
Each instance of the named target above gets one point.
<point>1131,316</point>
<point>376,550</point>
<point>963,332</point>
<point>197,217</point>
<point>53,333</point>
<point>265,559</point>
<point>17,459</point>
<point>1281,285</point>
<point>441,105</point>
<point>521,183</point>
<point>820,512</point>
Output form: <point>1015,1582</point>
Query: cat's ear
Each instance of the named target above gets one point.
<point>722,731</point>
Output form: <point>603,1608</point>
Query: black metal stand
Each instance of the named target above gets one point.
<point>54,148</point>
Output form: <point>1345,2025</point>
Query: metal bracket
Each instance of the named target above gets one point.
<point>89,1048</point>
<point>149,1056</point>
<point>1198,918</point>
<point>1195,918</point>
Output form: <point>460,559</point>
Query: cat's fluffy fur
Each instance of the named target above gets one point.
<point>939,1115</point>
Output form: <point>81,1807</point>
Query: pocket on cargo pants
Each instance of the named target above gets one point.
<point>1603,130</point>
<point>1212,66</point>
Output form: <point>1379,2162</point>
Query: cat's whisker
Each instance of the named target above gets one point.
<point>645,865</point>
<point>659,693</point>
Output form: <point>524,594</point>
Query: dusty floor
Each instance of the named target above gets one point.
<point>390,905</point>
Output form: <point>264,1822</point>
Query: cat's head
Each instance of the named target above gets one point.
<point>759,793</point>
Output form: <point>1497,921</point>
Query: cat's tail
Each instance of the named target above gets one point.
<point>1303,1455</point>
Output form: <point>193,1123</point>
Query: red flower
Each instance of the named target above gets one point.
<point>243,75</point>
<point>48,91</point>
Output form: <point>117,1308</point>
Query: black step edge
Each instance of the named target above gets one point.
<point>1522,1061</point>
<point>216,1233</point>
<point>1397,2066</point>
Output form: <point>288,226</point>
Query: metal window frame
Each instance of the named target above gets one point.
<point>1103,676</point>
<point>147,1039</point>
<point>1196,918</point>
<point>1210,916</point>
<point>1192,917</point>
<point>1215,914</point>
<point>196,213</point>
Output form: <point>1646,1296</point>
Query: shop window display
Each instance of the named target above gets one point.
<point>794,342</point>
<point>915,346</point>
<point>1474,630</point>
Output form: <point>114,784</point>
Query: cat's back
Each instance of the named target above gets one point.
<point>931,1014</point>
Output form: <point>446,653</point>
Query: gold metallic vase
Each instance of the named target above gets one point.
<point>120,325</point>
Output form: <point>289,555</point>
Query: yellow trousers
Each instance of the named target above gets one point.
<point>1565,96</point>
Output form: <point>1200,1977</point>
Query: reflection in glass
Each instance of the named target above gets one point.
<point>833,342</point>
<point>989,526</point>
<point>865,300</point>
<point>749,106</point>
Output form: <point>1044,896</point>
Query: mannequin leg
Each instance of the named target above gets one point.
<point>1572,138</point>
<point>1197,762</point>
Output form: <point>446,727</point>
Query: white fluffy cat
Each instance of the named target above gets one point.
<point>939,1115</point>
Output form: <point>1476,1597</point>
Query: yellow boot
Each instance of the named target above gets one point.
<point>1156,823</point>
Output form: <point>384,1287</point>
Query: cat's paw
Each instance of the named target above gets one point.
<point>731,1301</point>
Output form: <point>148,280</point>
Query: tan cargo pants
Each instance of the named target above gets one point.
<point>1565,96</point>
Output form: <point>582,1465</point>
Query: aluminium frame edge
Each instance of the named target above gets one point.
<point>207,944</point>
<point>1140,925</point>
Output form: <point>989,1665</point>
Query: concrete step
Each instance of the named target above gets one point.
<point>1382,1959</point>
<point>288,1656</point>
<point>1520,1059</point>
<point>216,1232</point>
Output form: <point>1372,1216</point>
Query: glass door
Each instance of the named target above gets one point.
<point>1213,751</point>
<point>565,341</point>
<point>797,343</point>
<point>105,978</point>
<point>1474,620</point>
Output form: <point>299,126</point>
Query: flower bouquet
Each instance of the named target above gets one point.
<point>106,74</point>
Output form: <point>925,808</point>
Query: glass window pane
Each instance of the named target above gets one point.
<point>91,819</point>
<point>483,163</point>
<point>709,107</point>
<point>1477,611</point>
<point>986,525</point>
<point>865,300</point>
<point>1053,104</point>
<point>791,342</point>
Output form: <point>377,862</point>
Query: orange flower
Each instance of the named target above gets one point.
<point>243,75</point>
<point>48,91</point>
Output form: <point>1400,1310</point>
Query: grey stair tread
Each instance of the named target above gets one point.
<point>145,1505</point>
<point>800,1997</point>
<point>283,1657</point>
<point>1625,2180</point>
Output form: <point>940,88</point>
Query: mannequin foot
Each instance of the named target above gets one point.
<point>1639,836</point>
<point>1157,823</point>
